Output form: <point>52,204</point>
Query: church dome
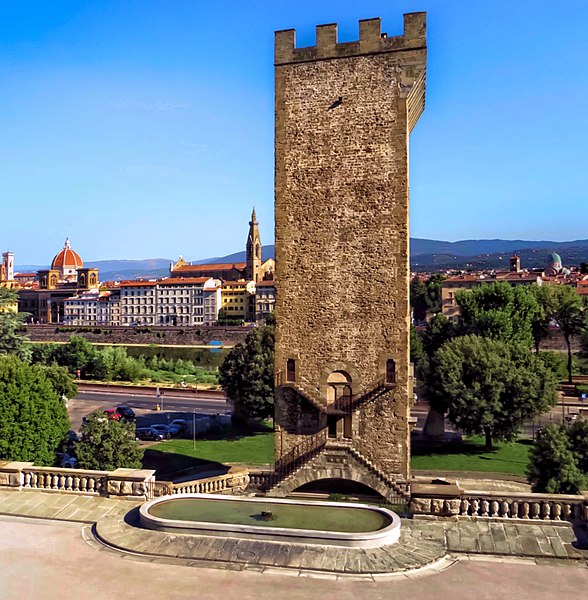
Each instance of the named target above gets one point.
<point>67,259</point>
<point>553,258</point>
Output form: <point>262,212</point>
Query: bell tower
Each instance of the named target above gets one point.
<point>253,251</point>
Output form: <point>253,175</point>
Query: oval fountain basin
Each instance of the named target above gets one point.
<point>273,519</point>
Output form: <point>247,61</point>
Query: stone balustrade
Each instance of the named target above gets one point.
<point>452,501</point>
<point>236,480</point>
<point>260,480</point>
<point>120,482</point>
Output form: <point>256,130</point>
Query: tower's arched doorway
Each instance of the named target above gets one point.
<point>339,394</point>
<point>340,487</point>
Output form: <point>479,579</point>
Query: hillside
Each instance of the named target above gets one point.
<point>425,255</point>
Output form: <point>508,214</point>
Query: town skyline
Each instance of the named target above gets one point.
<point>239,255</point>
<point>120,120</point>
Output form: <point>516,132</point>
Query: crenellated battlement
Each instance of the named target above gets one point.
<point>371,41</point>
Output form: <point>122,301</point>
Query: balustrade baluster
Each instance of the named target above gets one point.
<point>556,511</point>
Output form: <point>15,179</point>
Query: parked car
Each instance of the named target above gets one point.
<point>112,414</point>
<point>180,424</point>
<point>66,461</point>
<point>149,434</point>
<point>127,413</point>
<point>165,430</point>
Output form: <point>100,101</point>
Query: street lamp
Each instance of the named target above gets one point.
<point>194,430</point>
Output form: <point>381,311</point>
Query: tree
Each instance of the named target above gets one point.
<point>434,286</point>
<point>542,316</point>
<point>489,387</point>
<point>578,434</point>
<point>417,354</point>
<point>553,466</point>
<point>76,355</point>
<point>418,299</point>
<point>498,311</point>
<point>425,296</point>
<point>438,331</point>
<point>569,316</point>
<point>107,444</point>
<point>11,341</point>
<point>247,376</point>
<point>33,417</point>
<point>60,379</point>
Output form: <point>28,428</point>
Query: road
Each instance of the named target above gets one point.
<point>144,405</point>
<point>188,403</point>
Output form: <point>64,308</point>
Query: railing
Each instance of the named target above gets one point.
<point>234,481</point>
<point>65,480</point>
<point>261,480</point>
<point>307,449</point>
<point>344,404</point>
<point>494,505</point>
<point>401,488</point>
<point>120,482</point>
<point>349,404</point>
<point>316,402</point>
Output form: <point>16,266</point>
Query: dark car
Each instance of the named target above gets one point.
<point>171,430</point>
<point>66,461</point>
<point>148,434</point>
<point>127,413</point>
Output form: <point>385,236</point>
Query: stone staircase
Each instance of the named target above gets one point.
<point>333,456</point>
<point>345,404</point>
<point>402,488</point>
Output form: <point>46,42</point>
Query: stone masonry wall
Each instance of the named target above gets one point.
<point>343,114</point>
<point>139,335</point>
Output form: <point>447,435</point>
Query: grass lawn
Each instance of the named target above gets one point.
<point>470,455</point>
<point>231,445</point>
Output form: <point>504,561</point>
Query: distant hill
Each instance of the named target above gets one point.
<point>419,246</point>
<point>425,255</point>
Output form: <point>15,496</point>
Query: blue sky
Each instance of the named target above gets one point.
<point>144,128</point>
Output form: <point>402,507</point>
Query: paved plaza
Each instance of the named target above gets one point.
<point>42,559</point>
<point>57,545</point>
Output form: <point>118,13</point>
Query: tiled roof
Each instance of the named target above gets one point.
<point>210,267</point>
<point>138,283</point>
<point>183,280</point>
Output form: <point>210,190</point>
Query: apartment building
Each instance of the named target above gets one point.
<point>265,299</point>
<point>171,301</point>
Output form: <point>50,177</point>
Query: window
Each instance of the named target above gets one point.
<point>390,371</point>
<point>291,370</point>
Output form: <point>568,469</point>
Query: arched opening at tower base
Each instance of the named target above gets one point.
<point>343,487</point>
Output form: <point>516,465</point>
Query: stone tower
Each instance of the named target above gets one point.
<point>344,112</point>
<point>253,251</point>
<point>7,267</point>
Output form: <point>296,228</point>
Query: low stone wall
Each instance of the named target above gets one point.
<point>120,482</point>
<point>233,482</point>
<point>452,501</point>
<point>182,336</point>
<point>260,480</point>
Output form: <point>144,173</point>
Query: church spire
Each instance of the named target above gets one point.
<point>253,250</point>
